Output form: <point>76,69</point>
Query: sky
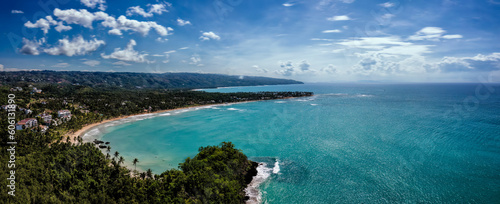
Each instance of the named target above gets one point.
<point>306,40</point>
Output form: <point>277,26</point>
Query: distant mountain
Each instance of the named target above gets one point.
<point>137,80</point>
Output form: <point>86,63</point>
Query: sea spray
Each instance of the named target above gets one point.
<point>252,191</point>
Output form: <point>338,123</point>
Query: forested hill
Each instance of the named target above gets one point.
<point>137,80</point>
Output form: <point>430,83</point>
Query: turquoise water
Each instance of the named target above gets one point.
<point>350,143</point>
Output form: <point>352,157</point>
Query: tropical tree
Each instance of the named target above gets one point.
<point>135,163</point>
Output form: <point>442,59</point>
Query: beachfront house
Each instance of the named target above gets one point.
<point>26,123</point>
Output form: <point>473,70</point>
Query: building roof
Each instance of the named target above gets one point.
<point>24,121</point>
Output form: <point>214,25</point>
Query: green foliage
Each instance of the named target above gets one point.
<point>67,173</point>
<point>137,80</point>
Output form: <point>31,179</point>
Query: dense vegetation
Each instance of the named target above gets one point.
<point>137,80</point>
<point>67,173</point>
<point>49,170</point>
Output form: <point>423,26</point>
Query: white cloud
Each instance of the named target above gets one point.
<point>261,70</point>
<point>169,52</point>
<point>195,59</point>
<point>288,4</point>
<point>209,35</point>
<point>330,69</point>
<point>183,48</point>
<point>304,65</point>
<point>1,68</point>
<point>81,17</point>
<point>121,63</point>
<point>388,16</point>
<point>92,63</point>
<point>153,9</point>
<point>84,18</point>
<point>31,47</point>
<point>433,34</point>
<point>77,46</point>
<point>142,27</point>
<point>332,31</point>
<point>288,69</point>
<point>159,39</point>
<point>339,18</point>
<point>127,54</point>
<point>62,65</point>
<point>93,3</point>
<point>452,36</point>
<point>182,22</point>
<point>387,5</point>
<point>42,23</point>
<point>16,11</point>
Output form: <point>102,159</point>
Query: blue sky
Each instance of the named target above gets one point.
<point>311,41</point>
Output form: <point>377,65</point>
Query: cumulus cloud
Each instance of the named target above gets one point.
<point>304,65</point>
<point>183,22</point>
<point>195,59</point>
<point>209,35</point>
<point>92,63</point>
<point>43,23</point>
<point>330,69</point>
<point>81,17</point>
<point>142,27</point>
<point>464,64</point>
<point>288,4</point>
<point>93,3</point>
<point>31,47</point>
<point>377,64</point>
<point>84,18</point>
<point>153,9</point>
<point>432,33</point>
<point>339,18</point>
<point>16,11</point>
<point>127,54</point>
<point>288,69</point>
<point>77,46</point>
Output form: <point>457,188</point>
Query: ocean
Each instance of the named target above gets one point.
<point>349,143</point>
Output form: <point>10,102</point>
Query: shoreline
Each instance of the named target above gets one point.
<point>73,135</point>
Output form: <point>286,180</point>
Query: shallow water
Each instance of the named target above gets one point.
<point>374,143</point>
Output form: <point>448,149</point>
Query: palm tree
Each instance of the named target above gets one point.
<point>108,149</point>
<point>135,163</point>
<point>117,154</point>
<point>149,173</point>
<point>120,161</point>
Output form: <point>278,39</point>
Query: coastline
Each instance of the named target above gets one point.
<point>73,135</point>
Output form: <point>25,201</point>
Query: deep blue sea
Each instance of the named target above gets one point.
<point>349,143</point>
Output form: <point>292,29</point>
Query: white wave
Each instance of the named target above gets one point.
<point>313,104</point>
<point>363,95</point>
<point>280,102</point>
<point>276,168</point>
<point>252,190</point>
<point>236,109</point>
<point>165,114</point>
<point>336,94</point>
